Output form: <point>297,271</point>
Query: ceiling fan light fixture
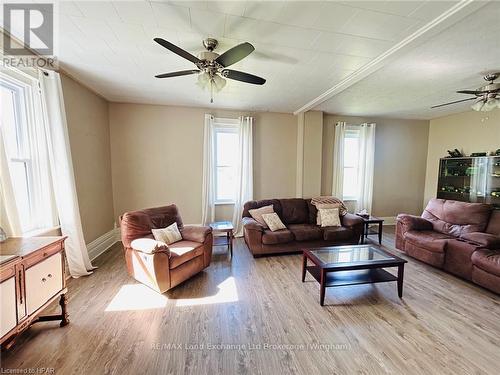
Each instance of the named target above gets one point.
<point>219,82</point>
<point>490,104</point>
<point>203,80</point>
<point>478,105</point>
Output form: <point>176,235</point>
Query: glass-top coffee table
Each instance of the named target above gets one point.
<point>351,265</point>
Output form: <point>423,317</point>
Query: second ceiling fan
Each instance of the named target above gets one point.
<point>211,67</point>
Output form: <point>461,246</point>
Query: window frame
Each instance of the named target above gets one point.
<point>222,125</point>
<point>351,132</point>
<point>28,100</point>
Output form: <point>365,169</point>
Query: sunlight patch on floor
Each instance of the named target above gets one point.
<point>227,293</point>
<point>136,297</point>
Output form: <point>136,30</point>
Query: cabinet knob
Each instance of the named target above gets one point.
<point>44,279</point>
<point>49,275</point>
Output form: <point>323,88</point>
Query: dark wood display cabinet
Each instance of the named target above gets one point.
<point>470,179</point>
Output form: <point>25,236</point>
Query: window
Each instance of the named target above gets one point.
<point>226,149</point>
<point>351,164</point>
<point>21,109</point>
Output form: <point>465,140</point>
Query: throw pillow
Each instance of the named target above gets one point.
<point>258,212</point>
<point>168,235</point>
<point>323,206</point>
<point>273,221</point>
<point>330,217</point>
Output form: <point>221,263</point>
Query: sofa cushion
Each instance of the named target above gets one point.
<point>306,232</point>
<point>280,236</point>
<point>169,235</point>
<point>487,260</point>
<point>258,212</point>
<point>182,251</point>
<point>273,222</point>
<point>312,212</point>
<point>487,240</point>
<point>456,218</point>
<point>494,223</point>
<point>294,211</point>
<point>337,234</point>
<point>428,239</point>
<point>250,205</point>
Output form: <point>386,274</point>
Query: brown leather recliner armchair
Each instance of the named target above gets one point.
<point>160,266</point>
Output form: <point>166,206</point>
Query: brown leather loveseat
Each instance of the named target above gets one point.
<point>299,216</point>
<point>155,264</point>
<point>462,238</point>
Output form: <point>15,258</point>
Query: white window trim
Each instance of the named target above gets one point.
<point>227,125</point>
<point>32,102</point>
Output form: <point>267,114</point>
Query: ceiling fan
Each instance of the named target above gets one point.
<point>211,67</point>
<point>486,97</point>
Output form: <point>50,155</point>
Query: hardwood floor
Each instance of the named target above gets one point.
<point>442,325</point>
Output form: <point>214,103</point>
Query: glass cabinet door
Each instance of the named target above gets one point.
<point>463,179</point>
<point>493,181</point>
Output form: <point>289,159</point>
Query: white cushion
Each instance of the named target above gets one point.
<point>329,217</point>
<point>168,235</point>
<point>258,212</point>
<point>273,221</point>
<point>322,206</point>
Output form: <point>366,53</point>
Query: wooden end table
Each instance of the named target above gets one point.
<point>351,265</point>
<point>367,221</point>
<point>227,240</point>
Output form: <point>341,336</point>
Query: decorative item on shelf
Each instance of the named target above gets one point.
<point>3,235</point>
<point>455,153</point>
<point>496,193</point>
<point>478,154</point>
<point>363,213</point>
<point>497,152</point>
<point>449,189</point>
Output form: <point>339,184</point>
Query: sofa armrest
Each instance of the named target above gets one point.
<point>490,241</point>
<point>412,222</point>
<point>149,246</point>
<point>249,223</point>
<point>195,233</point>
<point>350,220</point>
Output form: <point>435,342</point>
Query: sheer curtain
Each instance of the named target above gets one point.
<point>61,168</point>
<point>338,160</point>
<point>365,167</point>
<point>244,184</point>
<point>9,218</point>
<point>207,191</point>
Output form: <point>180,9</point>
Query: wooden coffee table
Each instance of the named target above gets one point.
<point>351,265</point>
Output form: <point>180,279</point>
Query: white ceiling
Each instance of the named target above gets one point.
<point>302,49</point>
<point>429,74</point>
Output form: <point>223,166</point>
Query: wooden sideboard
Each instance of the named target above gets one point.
<point>32,276</point>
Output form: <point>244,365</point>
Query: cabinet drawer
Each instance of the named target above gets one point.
<point>43,281</point>
<point>8,318</point>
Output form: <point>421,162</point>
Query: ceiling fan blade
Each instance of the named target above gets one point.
<point>471,92</point>
<point>177,50</point>
<point>177,74</point>
<point>456,101</point>
<point>235,54</point>
<point>243,77</point>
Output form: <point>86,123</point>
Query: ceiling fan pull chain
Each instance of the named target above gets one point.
<point>211,90</point>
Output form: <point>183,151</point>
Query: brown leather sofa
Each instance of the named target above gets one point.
<point>461,238</point>
<point>154,264</point>
<point>299,216</point>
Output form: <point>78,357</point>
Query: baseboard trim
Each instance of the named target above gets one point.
<point>389,220</point>
<point>103,243</point>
